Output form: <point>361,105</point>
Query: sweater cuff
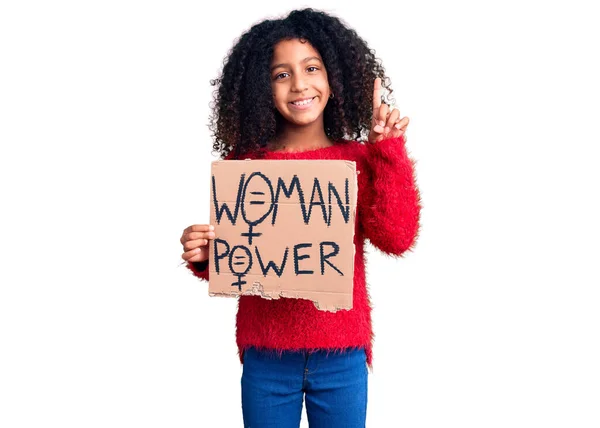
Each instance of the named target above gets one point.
<point>199,269</point>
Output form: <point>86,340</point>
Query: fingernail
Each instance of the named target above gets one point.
<point>387,129</point>
<point>211,227</point>
<point>381,123</point>
<point>211,234</point>
<point>397,126</point>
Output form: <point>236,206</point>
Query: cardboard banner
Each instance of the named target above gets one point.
<point>284,229</point>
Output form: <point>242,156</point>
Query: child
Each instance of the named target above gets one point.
<point>308,87</point>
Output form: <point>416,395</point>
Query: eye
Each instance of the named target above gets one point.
<point>312,66</point>
<point>277,77</point>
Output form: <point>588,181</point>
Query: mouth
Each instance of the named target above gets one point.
<point>304,104</point>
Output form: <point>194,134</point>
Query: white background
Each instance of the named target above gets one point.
<point>492,321</point>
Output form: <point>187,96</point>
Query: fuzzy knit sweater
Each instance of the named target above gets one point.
<point>387,214</point>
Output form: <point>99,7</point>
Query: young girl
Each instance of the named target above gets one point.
<point>308,87</point>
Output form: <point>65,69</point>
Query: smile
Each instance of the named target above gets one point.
<point>303,105</point>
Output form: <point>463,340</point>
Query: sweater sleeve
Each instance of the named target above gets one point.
<point>199,269</point>
<point>391,202</point>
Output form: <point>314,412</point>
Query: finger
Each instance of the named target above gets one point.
<point>378,129</point>
<point>195,228</point>
<point>402,124</point>
<point>196,243</point>
<point>201,227</point>
<point>201,235</point>
<point>377,91</point>
<point>395,133</point>
<point>392,119</point>
<point>194,236</point>
<point>384,111</point>
<point>196,255</point>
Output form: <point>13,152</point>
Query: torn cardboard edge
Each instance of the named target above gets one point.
<point>342,303</point>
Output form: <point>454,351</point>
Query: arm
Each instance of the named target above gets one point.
<point>391,203</point>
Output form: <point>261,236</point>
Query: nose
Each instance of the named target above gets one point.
<point>298,83</point>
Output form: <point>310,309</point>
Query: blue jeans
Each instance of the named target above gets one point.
<point>334,384</point>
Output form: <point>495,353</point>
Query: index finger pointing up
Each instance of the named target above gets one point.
<point>377,97</point>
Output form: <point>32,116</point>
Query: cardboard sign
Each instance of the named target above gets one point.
<point>284,229</point>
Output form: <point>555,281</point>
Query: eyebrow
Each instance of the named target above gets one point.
<point>307,59</point>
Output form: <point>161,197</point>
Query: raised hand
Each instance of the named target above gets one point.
<point>385,124</point>
<point>195,240</point>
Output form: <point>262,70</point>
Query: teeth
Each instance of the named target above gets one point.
<point>303,103</point>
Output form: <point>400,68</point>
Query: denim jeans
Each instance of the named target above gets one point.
<point>334,385</point>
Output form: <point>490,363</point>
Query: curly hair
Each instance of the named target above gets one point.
<point>244,118</point>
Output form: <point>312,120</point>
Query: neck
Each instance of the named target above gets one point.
<point>295,138</point>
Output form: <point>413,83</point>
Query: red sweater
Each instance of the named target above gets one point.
<point>388,211</point>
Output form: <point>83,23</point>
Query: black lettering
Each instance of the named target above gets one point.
<point>271,265</point>
<point>345,209</point>
<point>324,257</point>
<point>269,199</point>
<point>317,189</point>
<point>248,258</point>
<point>218,256</point>
<point>298,257</point>
<point>224,208</point>
<point>287,191</point>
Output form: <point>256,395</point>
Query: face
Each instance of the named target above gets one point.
<point>299,82</point>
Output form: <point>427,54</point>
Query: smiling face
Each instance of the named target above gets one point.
<point>299,82</point>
